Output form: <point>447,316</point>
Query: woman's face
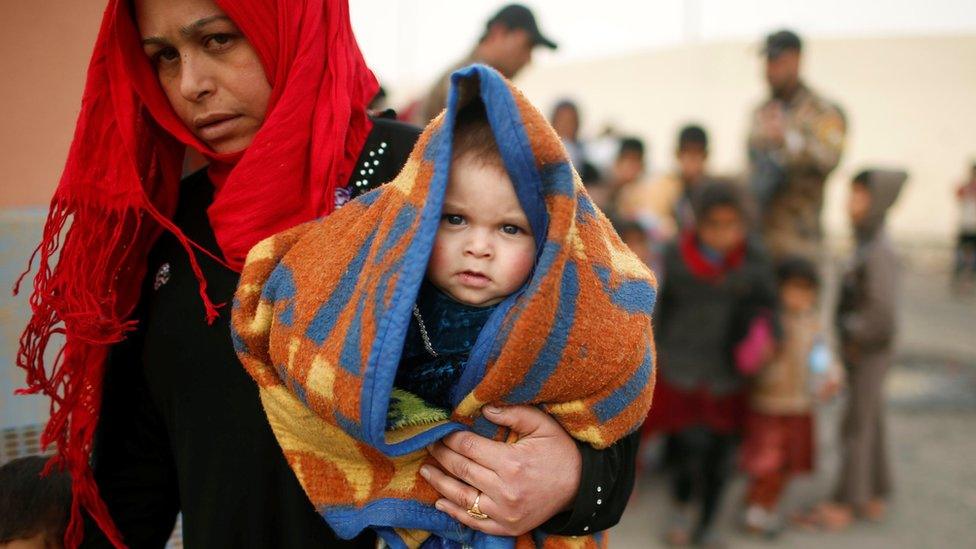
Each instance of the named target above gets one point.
<point>208,70</point>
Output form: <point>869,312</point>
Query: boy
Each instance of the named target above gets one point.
<point>482,274</point>
<point>866,320</point>
<point>669,200</point>
<point>33,509</point>
<point>613,195</point>
<point>780,431</point>
<point>716,282</point>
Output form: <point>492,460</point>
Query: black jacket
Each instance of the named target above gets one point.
<point>182,427</point>
<point>699,321</point>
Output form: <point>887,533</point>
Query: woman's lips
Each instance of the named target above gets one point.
<point>218,129</point>
<point>473,279</point>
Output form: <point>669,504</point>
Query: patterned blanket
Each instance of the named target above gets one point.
<point>322,310</point>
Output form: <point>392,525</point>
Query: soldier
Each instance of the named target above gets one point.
<point>795,141</point>
<point>506,45</point>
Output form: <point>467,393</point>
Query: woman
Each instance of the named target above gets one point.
<point>274,94</point>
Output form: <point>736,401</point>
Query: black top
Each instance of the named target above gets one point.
<point>451,329</point>
<point>699,321</point>
<point>182,427</point>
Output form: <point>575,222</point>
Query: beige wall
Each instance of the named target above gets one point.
<point>911,102</point>
<point>46,46</point>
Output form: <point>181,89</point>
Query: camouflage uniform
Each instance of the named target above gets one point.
<point>811,148</point>
<point>436,98</point>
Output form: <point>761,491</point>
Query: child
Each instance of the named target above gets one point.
<point>485,276</point>
<point>669,200</point>
<point>565,120</point>
<point>715,283</point>
<point>636,238</point>
<point>624,178</point>
<point>866,319</point>
<point>780,433</point>
<point>483,252</point>
<point>33,508</point>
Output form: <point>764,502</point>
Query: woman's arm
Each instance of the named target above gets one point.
<point>544,479</point>
<point>606,481</point>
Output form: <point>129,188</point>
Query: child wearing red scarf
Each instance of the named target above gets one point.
<point>716,283</point>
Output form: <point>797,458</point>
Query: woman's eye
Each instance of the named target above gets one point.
<point>218,41</point>
<point>453,219</point>
<point>511,229</point>
<point>166,55</point>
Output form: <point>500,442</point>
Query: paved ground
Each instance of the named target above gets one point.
<point>932,408</point>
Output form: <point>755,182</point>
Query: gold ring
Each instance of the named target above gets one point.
<point>475,511</point>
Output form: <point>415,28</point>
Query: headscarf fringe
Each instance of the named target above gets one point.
<point>80,302</point>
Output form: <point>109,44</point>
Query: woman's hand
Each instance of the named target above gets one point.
<point>522,484</point>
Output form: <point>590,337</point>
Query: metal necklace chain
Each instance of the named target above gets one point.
<point>423,331</point>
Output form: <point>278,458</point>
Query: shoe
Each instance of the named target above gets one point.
<point>679,527</point>
<point>710,538</point>
<point>828,516</point>
<point>874,510</point>
<point>762,522</point>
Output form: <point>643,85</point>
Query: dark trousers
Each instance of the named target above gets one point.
<point>701,462</point>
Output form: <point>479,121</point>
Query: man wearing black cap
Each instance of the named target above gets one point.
<point>507,44</point>
<point>796,140</point>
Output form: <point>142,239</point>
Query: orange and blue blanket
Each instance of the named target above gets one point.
<point>322,311</point>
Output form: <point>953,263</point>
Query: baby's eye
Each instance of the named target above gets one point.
<point>511,229</point>
<point>453,219</point>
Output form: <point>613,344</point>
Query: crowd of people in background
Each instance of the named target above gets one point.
<point>744,356</point>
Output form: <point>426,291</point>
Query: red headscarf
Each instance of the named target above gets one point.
<point>120,187</point>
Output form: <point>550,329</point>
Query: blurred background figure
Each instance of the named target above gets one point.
<point>506,45</point>
<point>716,282</point>
<point>565,120</point>
<point>779,437</point>
<point>795,141</point>
<point>378,103</point>
<point>620,188</point>
<point>33,508</point>
<point>671,196</point>
<point>636,238</point>
<point>964,274</point>
<point>866,328</point>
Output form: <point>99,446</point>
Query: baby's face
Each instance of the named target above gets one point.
<point>484,249</point>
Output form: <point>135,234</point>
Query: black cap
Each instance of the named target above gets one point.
<point>781,41</point>
<point>517,16</point>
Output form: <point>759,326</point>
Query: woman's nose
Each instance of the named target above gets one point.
<point>196,83</point>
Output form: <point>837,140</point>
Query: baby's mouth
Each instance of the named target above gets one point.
<point>474,279</point>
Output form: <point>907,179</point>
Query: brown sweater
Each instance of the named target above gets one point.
<point>783,387</point>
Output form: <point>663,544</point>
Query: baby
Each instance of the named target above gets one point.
<point>482,275</point>
<point>484,251</point>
